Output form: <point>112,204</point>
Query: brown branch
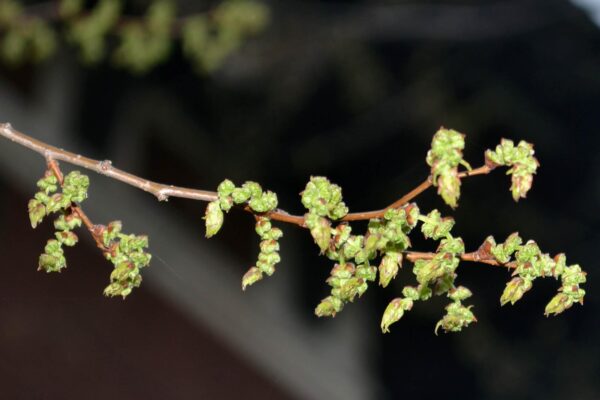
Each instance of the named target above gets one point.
<point>162,192</point>
<point>474,256</point>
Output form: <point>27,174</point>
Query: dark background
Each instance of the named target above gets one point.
<point>353,90</point>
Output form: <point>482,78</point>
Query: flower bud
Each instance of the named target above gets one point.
<point>394,311</point>
<point>515,289</point>
<point>213,218</point>
<point>252,276</point>
<point>388,269</point>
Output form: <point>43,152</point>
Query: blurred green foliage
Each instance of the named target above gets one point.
<point>141,42</point>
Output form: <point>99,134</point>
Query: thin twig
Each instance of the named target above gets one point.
<point>474,256</point>
<point>95,230</point>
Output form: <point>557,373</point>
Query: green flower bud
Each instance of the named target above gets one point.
<point>394,311</point>
<point>410,292</point>
<point>263,226</point>
<point>560,261</point>
<point>251,277</point>
<point>75,186</point>
<point>37,212</point>
<point>341,234</point>
<point>320,229</point>
<point>253,188</point>
<point>457,317</point>
<point>443,158</point>
<point>503,252</point>
<point>515,289</point>
<point>388,268</point>
<point>573,275</point>
<point>435,227</point>
<point>452,245</point>
<point>213,218</point>
<point>343,271</point>
<point>558,304</point>
<point>225,203</point>
<point>274,234</point>
<point>428,270</point>
<point>444,283</point>
<point>460,293</point>
<point>67,238</point>
<point>323,198</point>
<point>349,288</point>
<point>366,272</point>
<point>225,188</point>
<point>269,246</point>
<point>263,203</point>
<point>329,307</point>
<point>241,195</point>
<point>353,246</point>
<point>522,162</point>
<point>49,183</point>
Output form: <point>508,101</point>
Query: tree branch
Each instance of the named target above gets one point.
<point>162,192</point>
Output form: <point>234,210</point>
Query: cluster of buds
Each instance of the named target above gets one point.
<point>435,276</point>
<point>269,252</point>
<point>127,254</point>
<point>249,193</point>
<point>49,200</point>
<point>324,203</point>
<point>457,315</point>
<point>444,157</point>
<point>529,263</point>
<point>523,165</point>
<point>434,226</point>
<point>386,237</point>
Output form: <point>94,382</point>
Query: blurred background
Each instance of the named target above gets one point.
<point>353,90</point>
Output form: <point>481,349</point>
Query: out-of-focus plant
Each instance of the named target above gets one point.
<point>359,258</point>
<point>141,42</point>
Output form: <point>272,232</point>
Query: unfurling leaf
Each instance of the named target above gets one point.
<point>213,218</point>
